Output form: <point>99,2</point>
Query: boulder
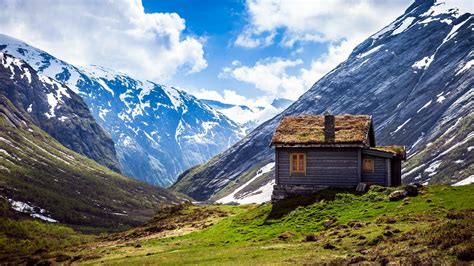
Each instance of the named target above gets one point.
<point>412,190</point>
<point>397,195</point>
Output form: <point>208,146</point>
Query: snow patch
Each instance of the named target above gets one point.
<point>423,63</point>
<point>440,99</point>
<point>369,52</point>
<point>405,24</point>
<point>467,66</point>
<point>424,106</point>
<point>256,198</point>
<point>466,181</point>
<point>53,102</point>
<point>401,126</point>
<point>30,209</point>
<point>431,170</point>
<point>107,88</point>
<point>454,31</point>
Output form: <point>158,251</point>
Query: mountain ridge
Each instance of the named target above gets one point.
<point>57,110</point>
<point>158,131</point>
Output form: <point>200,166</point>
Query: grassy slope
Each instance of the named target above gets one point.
<point>73,189</point>
<point>435,226</point>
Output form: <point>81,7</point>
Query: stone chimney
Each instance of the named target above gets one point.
<point>329,128</point>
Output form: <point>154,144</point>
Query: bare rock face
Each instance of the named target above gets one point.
<point>414,77</point>
<point>57,110</point>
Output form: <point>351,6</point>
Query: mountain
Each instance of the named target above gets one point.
<point>158,131</point>
<point>414,77</point>
<point>43,179</point>
<point>57,110</point>
<point>281,103</point>
<point>249,117</point>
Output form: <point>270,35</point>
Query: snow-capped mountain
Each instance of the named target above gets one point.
<point>415,78</point>
<point>56,109</point>
<point>249,117</point>
<point>158,131</point>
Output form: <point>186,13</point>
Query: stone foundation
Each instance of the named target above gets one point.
<point>285,191</point>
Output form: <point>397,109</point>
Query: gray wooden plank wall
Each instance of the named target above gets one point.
<point>379,176</point>
<point>325,167</point>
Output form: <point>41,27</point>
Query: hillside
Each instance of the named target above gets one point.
<point>414,77</point>
<point>333,227</point>
<point>56,109</point>
<point>42,179</point>
<point>159,131</point>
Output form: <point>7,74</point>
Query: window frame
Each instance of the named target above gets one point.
<point>372,160</point>
<point>298,171</point>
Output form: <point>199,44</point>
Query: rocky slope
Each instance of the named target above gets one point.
<point>56,109</point>
<point>45,180</point>
<point>414,77</point>
<point>158,131</point>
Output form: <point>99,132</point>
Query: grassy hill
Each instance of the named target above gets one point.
<point>337,227</point>
<point>44,179</point>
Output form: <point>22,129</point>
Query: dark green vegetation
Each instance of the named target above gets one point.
<point>29,237</point>
<point>72,189</point>
<point>337,227</point>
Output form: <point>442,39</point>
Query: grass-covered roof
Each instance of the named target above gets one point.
<point>398,151</point>
<point>309,129</point>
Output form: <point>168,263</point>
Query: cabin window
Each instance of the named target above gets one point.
<point>298,163</point>
<point>368,165</point>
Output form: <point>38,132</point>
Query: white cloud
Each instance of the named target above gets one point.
<point>231,97</point>
<point>341,24</point>
<point>114,34</point>
<point>269,76</point>
<point>260,107</point>
<point>250,38</point>
<point>316,20</point>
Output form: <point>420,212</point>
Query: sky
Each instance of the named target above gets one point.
<point>235,51</point>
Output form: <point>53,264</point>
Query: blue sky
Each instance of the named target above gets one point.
<point>220,23</point>
<point>236,51</point>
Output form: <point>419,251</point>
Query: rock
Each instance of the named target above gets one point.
<point>397,195</point>
<point>357,259</point>
<point>310,238</point>
<point>383,260</point>
<point>285,235</point>
<point>418,185</point>
<point>361,187</point>
<point>328,246</point>
<point>62,258</point>
<point>375,241</point>
<point>329,223</point>
<point>411,190</point>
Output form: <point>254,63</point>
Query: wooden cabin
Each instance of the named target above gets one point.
<point>320,151</point>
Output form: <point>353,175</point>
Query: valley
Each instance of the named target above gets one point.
<point>239,161</point>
